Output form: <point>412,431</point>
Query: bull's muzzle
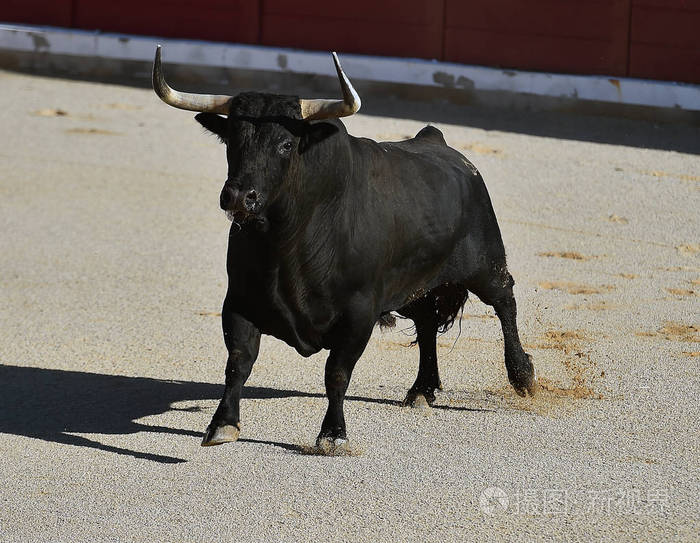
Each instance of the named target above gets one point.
<point>239,201</point>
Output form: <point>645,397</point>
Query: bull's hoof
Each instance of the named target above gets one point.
<point>331,445</point>
<point>418,400</point>
<point>525,383</point>
<point>220,434</point>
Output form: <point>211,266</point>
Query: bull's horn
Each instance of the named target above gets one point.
<point>328,109</point>
<point>209,103</point>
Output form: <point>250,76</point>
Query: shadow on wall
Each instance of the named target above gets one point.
<point>645,128</point>
<point>635,126</point>
<point>52,405</point>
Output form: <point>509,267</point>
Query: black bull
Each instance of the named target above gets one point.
<point>330,233</point>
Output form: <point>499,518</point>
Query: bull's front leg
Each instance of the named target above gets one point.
<point>243,343</point>
<point>341,361</point>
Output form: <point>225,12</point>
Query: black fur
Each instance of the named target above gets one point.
<point>334,233</point>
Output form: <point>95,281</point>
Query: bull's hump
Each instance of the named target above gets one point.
<point>432,134</point>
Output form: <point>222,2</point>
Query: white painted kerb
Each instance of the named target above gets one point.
<point>381,69</point>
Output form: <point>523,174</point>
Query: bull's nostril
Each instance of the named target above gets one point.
<point>225,198</point>
<point>252,196</point>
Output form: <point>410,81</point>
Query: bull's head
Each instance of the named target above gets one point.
<point>264,134</point>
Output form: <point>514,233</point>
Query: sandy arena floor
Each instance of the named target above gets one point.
<point>112,251</point>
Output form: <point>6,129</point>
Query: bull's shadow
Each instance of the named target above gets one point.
<point>52,405</point>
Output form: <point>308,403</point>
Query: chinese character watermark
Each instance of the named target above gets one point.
<point>495,501</point>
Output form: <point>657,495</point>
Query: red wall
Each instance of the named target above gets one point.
<point>42,12</point>
<point>218,20</point>
<point>580,36</point>
<point>657,39</point>
<point>665,40</point>
<point>390,27</point>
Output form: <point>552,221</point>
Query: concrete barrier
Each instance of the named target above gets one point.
<point>95,55</point>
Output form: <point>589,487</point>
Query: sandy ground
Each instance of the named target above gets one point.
<point>112,274</point>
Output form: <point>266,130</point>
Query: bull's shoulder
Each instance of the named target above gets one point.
<point>432,134</point>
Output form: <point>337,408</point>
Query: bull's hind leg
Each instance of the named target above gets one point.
<point>243,343</point>
<point>424,315</point>
<point>497,290</point>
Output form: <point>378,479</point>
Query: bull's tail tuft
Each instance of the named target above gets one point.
<point>449,301</point>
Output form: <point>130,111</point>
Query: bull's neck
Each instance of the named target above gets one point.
<point>316,194</point>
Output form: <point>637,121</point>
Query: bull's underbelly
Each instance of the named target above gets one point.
<point>304,342</point>
<point>281,316</point>
<point>305,317</point>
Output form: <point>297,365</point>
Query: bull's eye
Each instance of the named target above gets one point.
<point>285,147</point>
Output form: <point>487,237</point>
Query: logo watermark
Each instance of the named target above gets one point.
<point>494,501</point>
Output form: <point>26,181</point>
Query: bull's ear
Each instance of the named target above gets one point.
<point>316,133</point>
<point>214,123</point>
